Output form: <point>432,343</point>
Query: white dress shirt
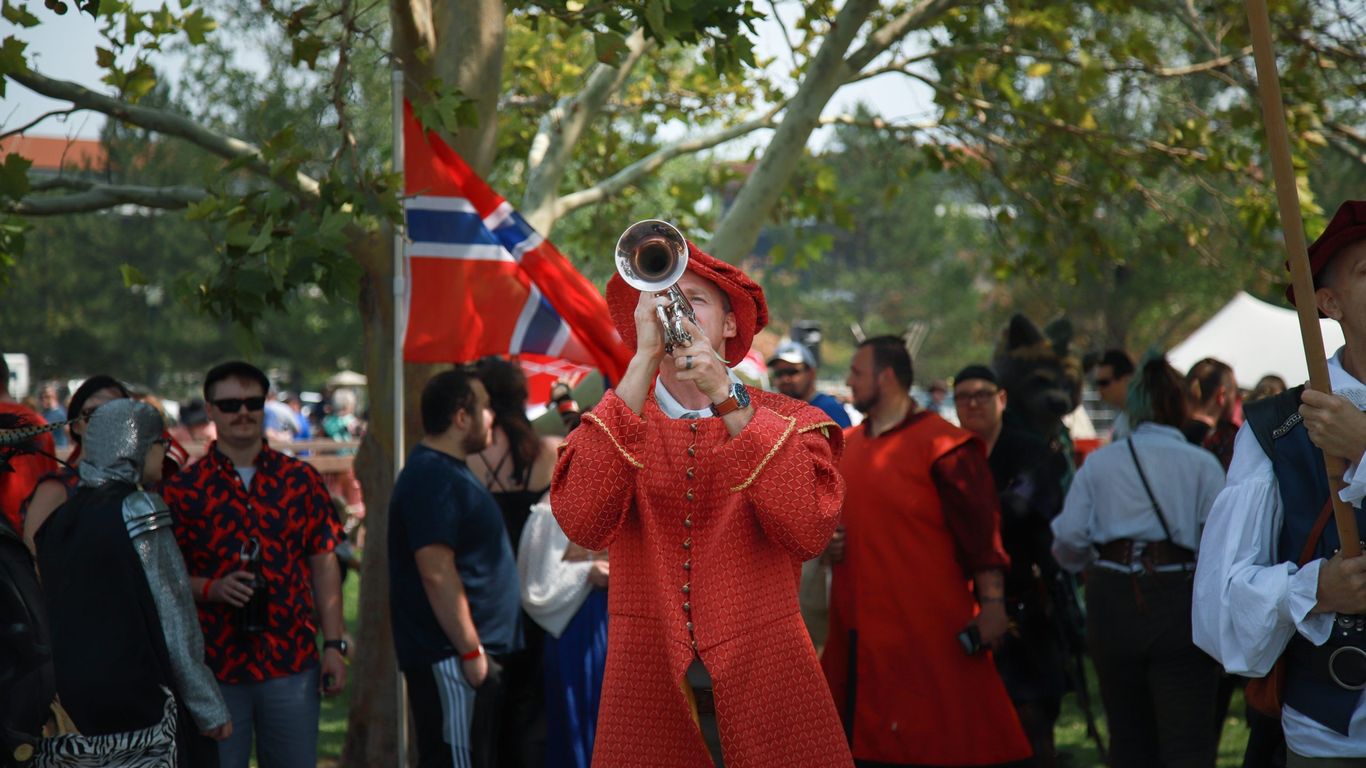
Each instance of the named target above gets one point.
<point>1107,500</point>
<point>670,406</point>
<point>1247,605</point>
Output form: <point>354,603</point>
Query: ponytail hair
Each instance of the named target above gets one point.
<point>1157,393</point>
<point>507,389</point>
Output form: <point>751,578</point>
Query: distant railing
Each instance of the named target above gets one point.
<point>326,456</point>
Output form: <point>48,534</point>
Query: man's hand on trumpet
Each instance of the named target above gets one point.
<point>698,363</point>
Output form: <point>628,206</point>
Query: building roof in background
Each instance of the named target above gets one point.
<point>54,153</point>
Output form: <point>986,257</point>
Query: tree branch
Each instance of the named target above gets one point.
<point>562,126</point>
<point>878,124</point>
<point>1005,51</point>
<point>161,121</point>
<point>37,120</point>
<point>827,71</point>
<point>632,173</point>
<point>917,16</point>
<point>99,197</point>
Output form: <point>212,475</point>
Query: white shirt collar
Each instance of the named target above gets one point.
<point>1344,383</point>
<point>674,409</point>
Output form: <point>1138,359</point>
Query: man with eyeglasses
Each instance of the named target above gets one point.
<point>793,370</point>
<point>1031,659</point>
<point>258,534</point>
<point>1113,372</point>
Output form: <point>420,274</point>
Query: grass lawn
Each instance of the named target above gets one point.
<point>1074,748</point>
<point>332,725</point>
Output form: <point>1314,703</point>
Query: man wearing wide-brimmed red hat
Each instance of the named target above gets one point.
<point>710,498</point>
<point>1269,585</point>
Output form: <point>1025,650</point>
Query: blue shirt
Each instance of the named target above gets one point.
<point>437,500</point>
<point>832,407</point>
<point>1107,500</point>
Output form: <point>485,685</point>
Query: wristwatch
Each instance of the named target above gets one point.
<point>341,645</point>
<point>739,398</point>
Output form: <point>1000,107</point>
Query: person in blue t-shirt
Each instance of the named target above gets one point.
<point>793,370</point>
<point>454,595</point>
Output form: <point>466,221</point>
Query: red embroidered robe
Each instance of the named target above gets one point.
<point>707,534</point>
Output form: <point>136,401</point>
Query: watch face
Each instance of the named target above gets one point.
<point>741,395</point>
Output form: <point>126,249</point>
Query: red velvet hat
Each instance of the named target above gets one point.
<point>746,300</point>
<point>1347,227</point>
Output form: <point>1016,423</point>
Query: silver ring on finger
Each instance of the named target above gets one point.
<point>687,362</point>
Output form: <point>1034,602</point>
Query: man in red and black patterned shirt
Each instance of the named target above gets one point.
<point>244,498</point>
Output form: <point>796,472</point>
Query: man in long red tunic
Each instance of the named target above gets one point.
<point>922,527</point>
<point>710,498</point>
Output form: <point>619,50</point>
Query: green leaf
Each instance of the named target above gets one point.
<point>132,275</point>
<point>11,58</point>
<point>104,57</point>
<point>306,50</point>
<point>18,15</point>
<point>14,176</point>
<point>198,25</point>
<point>1038,69</point>
<point>608,47</point>
<point>654,18</point>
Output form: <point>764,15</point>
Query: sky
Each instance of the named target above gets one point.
<point>63,47</point>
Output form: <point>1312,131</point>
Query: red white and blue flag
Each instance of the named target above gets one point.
<point>480,281</point>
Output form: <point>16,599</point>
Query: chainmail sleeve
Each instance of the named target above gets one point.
<point>149,526</point>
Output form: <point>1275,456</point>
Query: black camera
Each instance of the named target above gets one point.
<point>971,640</point>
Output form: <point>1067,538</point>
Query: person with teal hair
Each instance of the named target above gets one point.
<point>1132,520</point>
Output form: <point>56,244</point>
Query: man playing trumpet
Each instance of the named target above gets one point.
<point>710,498</point>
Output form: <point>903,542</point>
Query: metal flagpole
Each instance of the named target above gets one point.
<point>1292,229</point>
<point>396,88</point>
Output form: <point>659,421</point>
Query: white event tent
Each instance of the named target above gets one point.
<point>1257,339</point>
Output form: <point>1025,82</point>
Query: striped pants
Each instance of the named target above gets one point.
<point>456,725</point>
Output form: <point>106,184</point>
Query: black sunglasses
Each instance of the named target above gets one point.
<point>1101,383</point>
<point>234,404</point>
<point>782,373</point>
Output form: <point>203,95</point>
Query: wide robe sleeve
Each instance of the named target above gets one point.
<point>1246,605</point>
<point>786,467</point>
<point>595,475</point>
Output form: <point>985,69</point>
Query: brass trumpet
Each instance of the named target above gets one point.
<point>651,256</point>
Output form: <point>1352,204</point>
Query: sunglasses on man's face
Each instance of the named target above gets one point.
<point>1103,383</point>
<point>783,373</point>
<point>234,404</point>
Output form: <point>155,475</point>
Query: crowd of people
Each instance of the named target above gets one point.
<point>704,575</point>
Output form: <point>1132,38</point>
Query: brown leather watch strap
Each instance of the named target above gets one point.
<point>729,405</point>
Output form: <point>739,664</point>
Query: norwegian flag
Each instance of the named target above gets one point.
<point>542,373</point>
<point>480,281</point>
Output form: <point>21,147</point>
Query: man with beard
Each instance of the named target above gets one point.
<point>906,657</point>
<point>453,588</point>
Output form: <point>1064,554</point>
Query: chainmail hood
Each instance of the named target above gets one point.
<point>116,441</point>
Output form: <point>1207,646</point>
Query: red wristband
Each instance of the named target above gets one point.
<point>207,583</point>
<point>474,654</point>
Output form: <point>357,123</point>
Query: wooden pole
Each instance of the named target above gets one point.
<point>1292,228</point>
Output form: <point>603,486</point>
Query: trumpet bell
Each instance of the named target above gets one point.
<point>651,255</point>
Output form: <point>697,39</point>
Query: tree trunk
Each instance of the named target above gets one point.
<point>372,723</point>
<point>468,37</point>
